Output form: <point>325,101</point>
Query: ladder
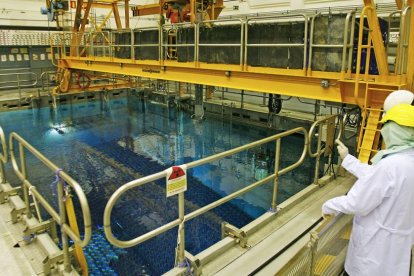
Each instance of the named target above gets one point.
<point>368,139</point>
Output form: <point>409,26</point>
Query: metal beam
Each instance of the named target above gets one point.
<point>378,43</point>
<point>297,86</point>
<point>149,9</point>
<point>97,88</point>
<point>78,16</point>
<point>126,14</point>
<point>99,28</point>
<point>76,25</point>
<point>102,5</point>
<point>117,17</point>
<point>85,18</point>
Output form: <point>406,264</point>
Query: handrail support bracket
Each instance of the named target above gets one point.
<point>6,190</point>
<point>48,225</point>
<point>228,230</point>
<point>195,264</point>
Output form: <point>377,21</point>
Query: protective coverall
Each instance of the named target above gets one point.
<point>356,167</point>
<point>382,202</point>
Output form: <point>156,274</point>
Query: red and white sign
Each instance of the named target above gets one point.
<point>176,180</point>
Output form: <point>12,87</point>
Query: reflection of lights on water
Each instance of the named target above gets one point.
<point>58,129</point>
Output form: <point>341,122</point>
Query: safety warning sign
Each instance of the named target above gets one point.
<point>176,180</point>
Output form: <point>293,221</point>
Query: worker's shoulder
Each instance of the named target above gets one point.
<point>398,159</point>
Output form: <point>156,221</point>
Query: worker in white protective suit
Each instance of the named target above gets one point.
<point>382,200</point>
<point>352,164</point>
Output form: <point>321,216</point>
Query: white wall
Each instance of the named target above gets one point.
<point>22,13</point>
<point>260,6</point>
<point>27,12</point>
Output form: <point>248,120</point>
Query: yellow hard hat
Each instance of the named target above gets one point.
<point>402,114</point>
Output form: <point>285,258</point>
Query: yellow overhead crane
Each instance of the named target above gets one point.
<point>355,86</point>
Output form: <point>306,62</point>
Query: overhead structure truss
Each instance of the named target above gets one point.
<point>341,86</point>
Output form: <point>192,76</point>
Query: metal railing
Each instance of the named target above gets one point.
<point>278,45</point>
<point>402,56</point>
<point>135,50</point>
<point>182,217</point>
<point>98,44</point>
<point>223,22</point>
<point>346,46</point>
<point>19,80</point>
<point>46,83</point>
<point>3,156</point>
<point>86,41</point>
<point>325,240</point>
<point>58,216</point>
<point>329,122</point>
<point>167,29</point>
<point>118,47</point>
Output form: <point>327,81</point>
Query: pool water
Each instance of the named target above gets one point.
<point>105,145</point>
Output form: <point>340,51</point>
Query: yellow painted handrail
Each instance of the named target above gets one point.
<point>359,53</point>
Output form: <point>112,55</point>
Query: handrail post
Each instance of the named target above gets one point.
<point>160,44</point>
<point>111,45</point>
<point>181,232</point>
<point>18,87</point>
<point>3,156</point>
<point>246,40</point>
<point>305,39</point>
<point>318,155</point>
<point>62,214</point>
<point>197,44</point>
<point>241,45</point>
<point>132,39</point>
<point>313,247</point>
<point>77,44</point>
<point>3,176</point>
<point>91,46</point>
<point>24,174</point>
<point>275,180</point>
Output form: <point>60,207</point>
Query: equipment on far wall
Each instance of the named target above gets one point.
<point>274,104</point>
<point>54,8</point>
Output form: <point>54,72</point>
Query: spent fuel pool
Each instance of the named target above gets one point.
<point>103,145</point>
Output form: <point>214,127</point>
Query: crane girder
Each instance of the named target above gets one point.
<point>298,84</point>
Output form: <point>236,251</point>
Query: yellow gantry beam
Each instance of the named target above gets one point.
<point>399,4</point>
<point>229,76</point>
<point>148,9</point>
<point>126,14</point>
<point>378,43</point>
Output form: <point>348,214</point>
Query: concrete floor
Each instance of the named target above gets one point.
<point>13,261</point>
<point>18,257</point>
